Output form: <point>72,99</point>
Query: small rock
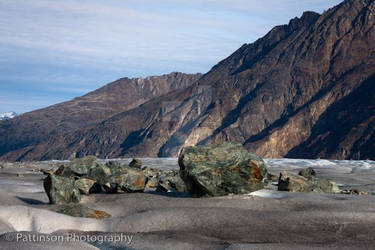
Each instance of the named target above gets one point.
<point>296,183</point>
<point>77,210</point>
<point>135,163</point>
<point>272,177</point>
<point>353,192</point>
<point>47,171</point>
<point>151,184</point>
<point>87,186</point>
<point>307,173</point>
<point>20,175</point>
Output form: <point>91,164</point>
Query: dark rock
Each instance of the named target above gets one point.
<point>221,170</point>
<point>272,177</point>
<point>135,163</point>
<point>353,192</point>
<point>100,173</point>
<point>307,173</point>
<point>78,210</point>
<point>296,183</point>
<point>170,181</point>
<point>87,186</point>
<point>77,167</point>
<point>61,190</point>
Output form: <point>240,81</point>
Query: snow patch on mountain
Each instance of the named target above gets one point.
<point>8,115</point>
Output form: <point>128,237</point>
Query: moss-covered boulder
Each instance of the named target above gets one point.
<point>61,190</point>
<point>132,181</point>
<point>87,186</point>
<point>219,170</point>
<point>308,173</point>
<point>77,167</point>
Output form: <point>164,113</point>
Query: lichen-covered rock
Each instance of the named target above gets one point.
<point>135,163</point>
<point>221,170</point>
<point>100,173</point>
<point>77,210</point>
<point>297,183</point>
<point>170,181</point>
<point>132,181</point>
<point>61,190</point>
<point>77,167</point>
<point>151,184</point>
<point>307,173</point>
<point>87,186</point>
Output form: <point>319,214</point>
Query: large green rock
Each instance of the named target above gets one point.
<point>132,181</point>
<point>221,170</point>
<point>298,183</point>
<point>77,167</point>
<point>61,190</point>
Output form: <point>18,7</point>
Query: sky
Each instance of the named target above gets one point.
<point>52,51</point>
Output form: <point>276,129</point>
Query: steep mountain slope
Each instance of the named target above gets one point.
<point>30,129</point>
<point>306,89</point>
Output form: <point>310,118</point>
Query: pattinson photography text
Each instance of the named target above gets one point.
<point>71,237</point>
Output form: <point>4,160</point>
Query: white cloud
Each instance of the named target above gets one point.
<point>82,42</point>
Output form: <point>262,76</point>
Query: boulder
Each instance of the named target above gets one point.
<point>77,167</point>
<point>170,181</point>
<point>87,186</point>
<point>135,163</point>
<point>61,190</point>
<point>100,173</point>
<point>78,210</point>
<point>297,183</point>
<point>307,173</point>
<point>132,181</point>
<point>219,170</point>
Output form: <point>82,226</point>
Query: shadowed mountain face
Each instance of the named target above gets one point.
<point>305,90</point>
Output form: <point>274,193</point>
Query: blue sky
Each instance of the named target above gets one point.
<point>53,51</point>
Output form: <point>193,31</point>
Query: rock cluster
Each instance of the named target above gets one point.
<point>205,171</point>
<point>305,181</point>
<point>87,175</point>
<point>221,170</point>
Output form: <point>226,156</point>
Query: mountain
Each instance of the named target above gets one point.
<point>8,115</point>
<point>27,131</point>
<point>304,90</point>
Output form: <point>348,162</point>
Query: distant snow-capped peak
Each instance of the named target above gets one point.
<point>8,115</point>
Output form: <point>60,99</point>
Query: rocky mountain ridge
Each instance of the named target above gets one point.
<point>304,90</point>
